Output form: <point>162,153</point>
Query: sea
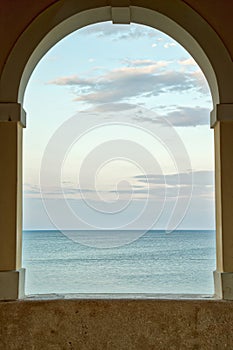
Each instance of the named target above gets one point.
<point>181,262</point>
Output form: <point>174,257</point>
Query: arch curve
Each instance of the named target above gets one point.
<point>177,20</point>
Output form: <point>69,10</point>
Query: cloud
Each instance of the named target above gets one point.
<point>142,186</point>
<point>145,62</point>
<point>144,78</point>
<point>187,116</point>
<point>120,31</point>
<point>188,62</point>
<point>72,80</point>
<point>170,44</point>
<point>200,178</point>
<point>157,185</point>
<point>66,189</point>
<point>111,107</point>
<point>180,117</point>
<point>202,182</point>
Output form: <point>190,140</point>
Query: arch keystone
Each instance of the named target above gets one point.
<point>120,11</point>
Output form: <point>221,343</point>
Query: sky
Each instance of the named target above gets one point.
<point>118,134</point>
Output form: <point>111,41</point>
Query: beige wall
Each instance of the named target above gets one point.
<point>218,13</point>
<point>116,325</point>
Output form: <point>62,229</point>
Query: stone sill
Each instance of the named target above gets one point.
<point>118,296</point>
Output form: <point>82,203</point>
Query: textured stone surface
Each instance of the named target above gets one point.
<point>116,324</point>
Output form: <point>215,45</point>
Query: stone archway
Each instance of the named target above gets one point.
<point>177,20</point>
<point>173,17</point>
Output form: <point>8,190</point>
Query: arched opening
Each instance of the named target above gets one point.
<point>70,17</point>
<point>44,32</point>
<point>122,96</point>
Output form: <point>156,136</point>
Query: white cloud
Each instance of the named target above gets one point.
<point>111,107</point>
<point>146,62</point>
<point>71,80</point>
<point>170,44</point>
<point>141,77</point>
<point>154,45</point>
<point>181,117</point>
<point>200,178</point>
<point>187,116</point>
<point>120,31</point>
<point>188,62</point>
<point>203,185</point>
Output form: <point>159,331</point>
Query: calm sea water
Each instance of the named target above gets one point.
<point>179,262</point>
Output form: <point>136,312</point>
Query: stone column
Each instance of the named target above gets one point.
<point>222,121</point>
<point>12,120</point>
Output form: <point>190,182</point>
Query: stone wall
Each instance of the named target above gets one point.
<point>116,324</point>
